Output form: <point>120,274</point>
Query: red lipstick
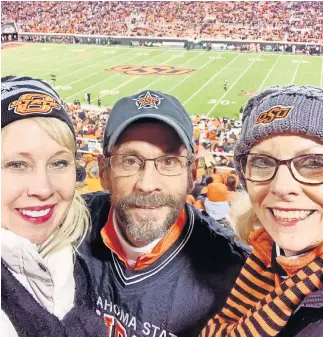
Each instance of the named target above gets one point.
<point>39,219</point>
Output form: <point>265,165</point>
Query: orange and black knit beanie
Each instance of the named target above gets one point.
<point>25,97</point>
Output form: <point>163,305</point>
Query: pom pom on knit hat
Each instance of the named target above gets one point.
<point>279,110</point>
<point>26,97</point>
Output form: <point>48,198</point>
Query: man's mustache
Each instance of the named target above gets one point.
<point>147,201</point>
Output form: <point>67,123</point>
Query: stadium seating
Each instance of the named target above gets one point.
<point>296,21</point>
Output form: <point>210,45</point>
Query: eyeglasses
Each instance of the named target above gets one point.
<point>307,169</point>
<point>129,165</point>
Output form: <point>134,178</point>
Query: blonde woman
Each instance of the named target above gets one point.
<point>279,160</point>
<point>45,286</point>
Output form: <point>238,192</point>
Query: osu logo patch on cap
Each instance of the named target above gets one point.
<point>148,101</point>
<point>34,103</point>
<point>276,112</point>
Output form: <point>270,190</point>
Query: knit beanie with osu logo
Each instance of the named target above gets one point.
<point>25,97</point>
<point>279,110</point>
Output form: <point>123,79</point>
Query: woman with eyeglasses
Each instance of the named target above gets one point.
<point>279,159</point>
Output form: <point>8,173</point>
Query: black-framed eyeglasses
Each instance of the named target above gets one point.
<point>128,165</point>
<point>306,169</point>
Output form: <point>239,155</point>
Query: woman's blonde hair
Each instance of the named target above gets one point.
<point>243,216</point>
<point>77,220</point>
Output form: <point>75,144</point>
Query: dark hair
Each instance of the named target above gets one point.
<point>209,180</point>
<point>231,183</point>
<point>203,180</point>
<point>80,173</point>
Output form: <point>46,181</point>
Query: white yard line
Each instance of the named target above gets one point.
<point>296,70</point>
<point>211,79</point>
<point>91,65</point>
<point>108,78</point>
<point>321,82</point>
<point>99,71</point>
<point>234,83</point>
<point>67,66</point>
<point>268,74</point>
<point>187,77</point>
<point>161,77</point>
<point>23,62</point>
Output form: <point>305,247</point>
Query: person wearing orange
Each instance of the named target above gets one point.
<point>211,134</point>
<point>217,178</point>
<point>224,176</point>
<point>232,184</point>
<point>279,160</point>
<point>216,123</point>
<point>150,252</point>
<point>196,134</point>
<point>216,202</point>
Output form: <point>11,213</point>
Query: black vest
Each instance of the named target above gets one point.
<point>177,293</point>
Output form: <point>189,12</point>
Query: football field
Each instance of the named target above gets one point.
<point>195,77</point>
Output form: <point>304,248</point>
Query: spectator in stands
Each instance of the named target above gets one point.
<point>94,170</point>
<point>80,175</point>
<point>196,191</point>
<point>81,115</point>
<point>233,136</point>
<point>85,129</point>
<point>232,183</point>
<point>216,203</point>
<point>144,220</point>
<point>199,202</point>
<point>45,285</point>
<point>227,147</point>
<point>279,292</point>
<point>90,130</point>
<point>216,178</point>
<point>84,146</point>
<point>229,162</point>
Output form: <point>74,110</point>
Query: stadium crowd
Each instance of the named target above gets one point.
<point>296,21</point>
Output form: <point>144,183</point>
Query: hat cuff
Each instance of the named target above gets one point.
<point>169,121</point>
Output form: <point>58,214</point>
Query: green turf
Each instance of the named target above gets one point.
<point>80,68</point>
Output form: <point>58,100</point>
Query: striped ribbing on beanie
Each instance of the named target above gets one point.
<point>257,306</point>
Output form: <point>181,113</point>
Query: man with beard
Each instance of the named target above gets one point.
<point>160,268</point>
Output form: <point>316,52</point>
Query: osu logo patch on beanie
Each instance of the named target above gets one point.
<point>276,112</point>
<point>34,103</point>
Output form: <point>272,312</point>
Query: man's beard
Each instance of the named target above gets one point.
<point>149,228</point>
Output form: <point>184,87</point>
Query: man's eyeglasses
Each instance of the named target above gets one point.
<point>307,169</point>
<point>129,165</point>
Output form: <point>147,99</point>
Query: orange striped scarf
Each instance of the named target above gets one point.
<point>261,302</point>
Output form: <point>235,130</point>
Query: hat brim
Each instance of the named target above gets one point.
<point>166,119</point>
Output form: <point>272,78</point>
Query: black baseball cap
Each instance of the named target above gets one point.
<point>25,97</point>
<point>148,104</point>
